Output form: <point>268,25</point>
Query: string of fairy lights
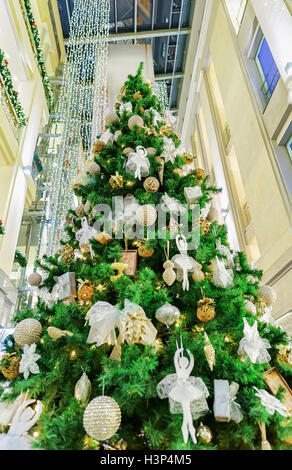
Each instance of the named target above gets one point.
<point>79,111</point>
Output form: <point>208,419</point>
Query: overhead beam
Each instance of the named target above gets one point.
<point>168,76</point>
<point>136,35</point>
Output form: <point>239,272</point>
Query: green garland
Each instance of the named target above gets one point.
<point>10,90</point>
<point>27,10</point>
<point>20,259</point>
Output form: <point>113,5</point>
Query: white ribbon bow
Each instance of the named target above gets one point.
<point>253,345</point>
<point>126,107</point>
<point>107,137</point>
<point>85,233</point>
<point>138,163</point>
<point>171,204</point>
<point>235,413</point>
<point>271,403</point>
<point>103,319</point>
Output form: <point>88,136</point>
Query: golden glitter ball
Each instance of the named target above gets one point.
<point>151,184</point>
<point>204,434</point>
<point>205,311</point>
<point>85,292</point>
<point>103,238</point>
<point>11,368</point>
<point>99,146</point>
<point>145,252</point>
<point>102,418</point>
<point>93,168</point>
<point>135,121</point>
<point>28,331</point>
<point>34,279</point>
<point>67,254</point>
<point>128,150</point>
<point>188,157</point>
<point>165,130</point>
<point>137,95</point>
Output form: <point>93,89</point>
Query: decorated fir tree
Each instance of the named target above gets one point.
<point>145,335</point>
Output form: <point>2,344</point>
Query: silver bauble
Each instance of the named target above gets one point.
<point>167,314</point>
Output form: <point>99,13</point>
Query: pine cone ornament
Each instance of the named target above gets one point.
<point>10,367</point>
<point>67,254</point>
<point>205,310</point>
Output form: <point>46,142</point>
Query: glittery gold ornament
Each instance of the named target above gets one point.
<point>103,238</point>
<point>198,275</point>
<point>99,146</point>
<point>85,248</point>
<point>102,418</point>
<point>205,310</point>
<point>142,110</point>
<point>151,184</point>
<point>261,306</point>
<point>200,173</point>
<point>204,434</point>
<point>34,279</point>
<point>10,366</point>
<point>178,171</point>
<point>116,181</point>
<point>67,254</point>
<point>137,95</point>
<point>128,150</point>
<point>267,294</point>
<point>188,158</point>
<point>205,226</point>
<point>56,333</point>
<point>209,351</point>
<point>146,215</point>
<point>169,275</point>
<point>145,252</point>
<point>164,130</point>
<point>28,331</point>
<point>80,211</point>
<point>82,389</point>
<point>120,267</point>
<point>85,292</point>
<point>135,121</point>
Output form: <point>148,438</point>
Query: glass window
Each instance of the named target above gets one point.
<point>144,14</point>
<point>289,147</point>
<point>236,10</point>
<point>125,15</point>
<point>162,14</point>
<point>267,68</point>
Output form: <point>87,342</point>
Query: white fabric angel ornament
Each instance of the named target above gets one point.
<point>183,262</point>
<point>187,395</point>
<point>138,163</point>
<point>221,276</point>
<point>84,234</point>
<point>252,345</point>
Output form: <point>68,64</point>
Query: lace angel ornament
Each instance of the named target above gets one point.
<point>187,395</point>
<point>252,345</point>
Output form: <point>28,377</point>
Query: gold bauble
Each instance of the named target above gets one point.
<point>145,252</point>
<point>200,173</point>
<point>99,146</point>
<point>102,418</point>
<point>11,369</point>
<point>111,117</point>
<point>204,434</point>
<point>120,267</point>
<point>116,181</point>
<point>82,389</point>
<point>103,238</point>
<point>93,168</point>
<point>146,215</point>
<point>137,95</point>
<point>128,150</point>
<point>85,292</point>
<point>198,276</point>
<point>135,121</point>
<point>179,172</point>
<point>205,310</point>
<point>151,184</point>
<point>34,279</point>
<point>28,331</point>
<point>67,254</point>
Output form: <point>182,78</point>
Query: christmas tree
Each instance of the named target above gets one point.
<point>145,335</point>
